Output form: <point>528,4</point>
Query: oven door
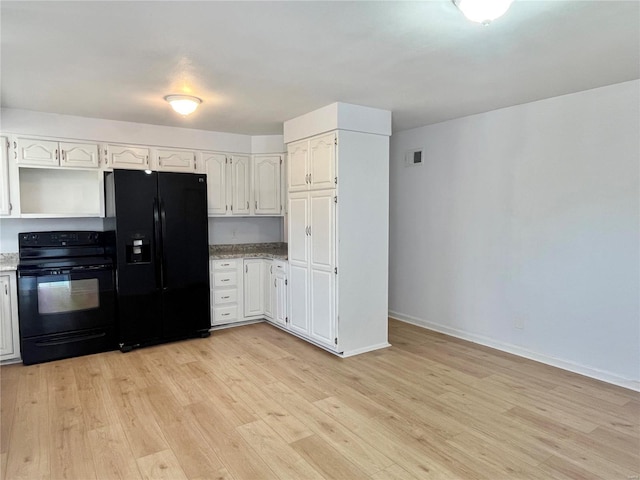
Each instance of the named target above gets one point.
<point>65,300</point>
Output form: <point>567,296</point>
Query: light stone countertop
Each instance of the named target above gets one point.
<point>8,262</point>
<point>249,250</point>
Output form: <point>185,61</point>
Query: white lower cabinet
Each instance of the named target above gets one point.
<point>254,287</point>
<point>279,286</point>
<point>226,291</point>
<point>312,268</point>
<point>9,339</point>
<point>247,290</point>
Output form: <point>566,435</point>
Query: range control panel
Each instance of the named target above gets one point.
<point>59,239</point>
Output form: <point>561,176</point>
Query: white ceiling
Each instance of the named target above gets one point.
<point>256,64</point>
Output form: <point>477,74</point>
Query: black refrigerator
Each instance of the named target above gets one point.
<point>161,247</point>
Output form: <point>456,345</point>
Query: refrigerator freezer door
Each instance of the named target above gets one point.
<point>185,253</point>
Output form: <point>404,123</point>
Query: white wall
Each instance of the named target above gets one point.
<point>526,216</point>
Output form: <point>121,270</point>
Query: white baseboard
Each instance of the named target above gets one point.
<point>521,352</point>
<point>370,348</point>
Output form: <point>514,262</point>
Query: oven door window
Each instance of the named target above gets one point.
<point>68,296</point>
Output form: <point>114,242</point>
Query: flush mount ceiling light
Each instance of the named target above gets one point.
<point>183,104</point>
<point>483,11</point>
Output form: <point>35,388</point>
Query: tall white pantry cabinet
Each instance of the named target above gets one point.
<point>338,184</point>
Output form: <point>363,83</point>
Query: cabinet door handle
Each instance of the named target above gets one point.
<point>271,269</point>
<point>247,204</point>
<point>62,155</point>
<point>309,230</point>
<point>274,283</point>
<point>246,269</point>
<point>309,179</point>
<point>225,279</point>
<point>56,154</point>
<point>224,298</point>
<point>6,291</point>
<point>256,204</point>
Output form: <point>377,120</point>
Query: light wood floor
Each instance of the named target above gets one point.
<point>256,403</point>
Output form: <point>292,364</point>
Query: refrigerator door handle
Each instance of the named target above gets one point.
<point>163,233</point>
<point>158,242</point>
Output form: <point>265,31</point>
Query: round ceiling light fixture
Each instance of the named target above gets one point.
<point>483,11</point>
<point>183,104</point>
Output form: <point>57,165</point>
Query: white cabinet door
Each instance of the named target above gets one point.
<point>5,208</point>
<point>266,184</point>
<point>215,168</point>
<point>322,311</point>
<point>176,161</point>
<point>297,167</point>
<point>299,228</point>
<point>280,300</point>
<point>31,151</point>
<point>322,162</point>
<point>253,287</point>
<point>322,265</point>
<point>79,155</point>
<point>124,156</point>
<point>240,184</point>
<point>322,229</point>
<point>298,299</point>
<point>7,344</point>
<point>269,289</point>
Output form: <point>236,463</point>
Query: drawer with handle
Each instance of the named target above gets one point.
<point>225,296</point>
<point>225,314</point>
<point>225,264</point>
<point>279,266</point>
<point>225,279</point>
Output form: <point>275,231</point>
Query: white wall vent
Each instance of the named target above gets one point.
<point>413,158</point>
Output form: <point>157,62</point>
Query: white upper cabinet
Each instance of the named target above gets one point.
<point>5,206</point>
<point>79,155</point>
<point>298,156</point>
<point>49,153</point>
<point>240,184</point>
<point>32,151</point>
<point>127,156</point>
<point>215,167</point>
<point>266,184</point>
<point>322,162</point>
<point>312,163</point>
<point>175,160</point>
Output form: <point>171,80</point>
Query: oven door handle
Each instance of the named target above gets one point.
<point>89,268</point>
<point>52,272</point>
